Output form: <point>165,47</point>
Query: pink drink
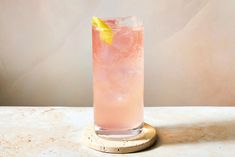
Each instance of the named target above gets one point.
<point>118,77</point>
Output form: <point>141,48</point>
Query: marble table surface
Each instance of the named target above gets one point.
<point>56,132</point>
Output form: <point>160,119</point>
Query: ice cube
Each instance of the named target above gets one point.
<point>124,39</point>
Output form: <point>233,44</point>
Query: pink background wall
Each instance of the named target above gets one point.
<point>45,50</point>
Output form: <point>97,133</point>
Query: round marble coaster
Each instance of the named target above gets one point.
<point>142,141</point>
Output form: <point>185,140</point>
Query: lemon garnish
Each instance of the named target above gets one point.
<point>106,33</point>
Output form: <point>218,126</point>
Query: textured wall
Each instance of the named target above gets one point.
<point>45,50</point>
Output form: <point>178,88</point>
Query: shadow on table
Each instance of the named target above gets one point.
<point>195,133</point>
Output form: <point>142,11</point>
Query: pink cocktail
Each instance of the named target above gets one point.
<point>118,77</point>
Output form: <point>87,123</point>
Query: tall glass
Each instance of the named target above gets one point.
<point>118,78</point>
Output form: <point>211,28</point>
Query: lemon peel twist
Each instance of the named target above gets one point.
<point>106,33</point>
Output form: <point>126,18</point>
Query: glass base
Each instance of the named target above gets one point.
<point>118,134</point>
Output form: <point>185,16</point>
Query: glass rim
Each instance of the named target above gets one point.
<point>122,18</point>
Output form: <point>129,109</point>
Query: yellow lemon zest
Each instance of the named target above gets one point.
<point>106,33</point>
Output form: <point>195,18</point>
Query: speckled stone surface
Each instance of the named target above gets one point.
<point>56,132</point>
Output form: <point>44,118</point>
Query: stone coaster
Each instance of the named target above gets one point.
<point>140,142</point>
